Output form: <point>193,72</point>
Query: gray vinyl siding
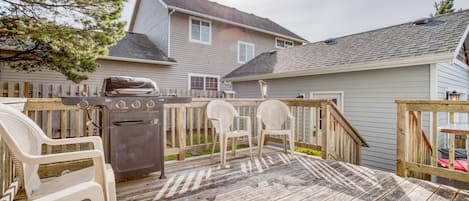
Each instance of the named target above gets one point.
<point>368,102</point>
<point>220,57</point>
<point>108,68</point>
<point>153,20</point>
<point>451,77</point>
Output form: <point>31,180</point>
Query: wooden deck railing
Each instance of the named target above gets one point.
<point>417,156</point>
<point>319,125</point>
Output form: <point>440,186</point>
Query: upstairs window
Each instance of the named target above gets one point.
<point>200,31</point>
<point>283,44</point>
<point>204,82</point>
<point>245,52</point>
<point>462,56</point>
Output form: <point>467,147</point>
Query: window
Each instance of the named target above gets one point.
<point>245,52</point>
<point>204,82</point>
<point>283,44</point>
<point>200,30</point>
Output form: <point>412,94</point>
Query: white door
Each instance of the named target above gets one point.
<point>336,96</point>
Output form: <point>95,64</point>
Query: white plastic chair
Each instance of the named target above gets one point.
<point>24,139</point>
<point>273,114</point>
<point>222,115</point>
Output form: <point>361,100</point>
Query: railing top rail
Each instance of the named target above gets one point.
<point>354,133</point>
<point>432,102</point>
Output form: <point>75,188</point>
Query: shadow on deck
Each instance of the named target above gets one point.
<point>280,176</point>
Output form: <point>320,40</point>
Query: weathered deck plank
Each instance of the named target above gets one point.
<point>279,176</point>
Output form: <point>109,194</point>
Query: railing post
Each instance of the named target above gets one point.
<point>402,131</point>
<point>181,130</point>
<point>325,125</point>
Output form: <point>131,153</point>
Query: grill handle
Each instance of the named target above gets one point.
<point>131,123</point>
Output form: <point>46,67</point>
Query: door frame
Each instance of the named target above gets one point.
<point>313,94</point>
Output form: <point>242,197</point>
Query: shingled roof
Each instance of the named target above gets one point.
<point>231,14</point>
<point>138,47</point>
<point>437,40</point>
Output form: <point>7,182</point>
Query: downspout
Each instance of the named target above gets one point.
<point>169,31</point>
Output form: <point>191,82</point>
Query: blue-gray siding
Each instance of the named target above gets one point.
<point>368,102</point>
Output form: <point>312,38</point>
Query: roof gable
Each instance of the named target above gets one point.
<point>231,14</point>
<point>440,36</point>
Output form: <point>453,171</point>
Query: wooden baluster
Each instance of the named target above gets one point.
<point>303,138</point>
<point>311,126</point>
<point>419,137</point>
<point>165,117</point>
<point>181,129</point>
<point>318,124</point>
<point>206,127</point>
<point>402,138</point>
<point>63,127</point>
<point>49,130</point>
<point>451,143</point>
<point>173,127</point>
<point>325,108</point>
<point>297,122</point>
<point>77,127</point>
<point>434,139</point>
<point>191,125</point>
<point>199,117</point>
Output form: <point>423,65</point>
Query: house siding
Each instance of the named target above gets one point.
<point>108,68</point>
<point>368,102</point>
<point>220,57</point>
<point>153,20</point>
<point>451,77</point>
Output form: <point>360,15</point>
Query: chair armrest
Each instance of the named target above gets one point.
<point>96,141</point>
<point>63,157</point>
<point>217,121</point>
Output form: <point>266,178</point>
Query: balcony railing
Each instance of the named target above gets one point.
<point>419,139</point>
<point>319,126</point>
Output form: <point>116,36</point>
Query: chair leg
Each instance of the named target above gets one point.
<point>261,144</point>
<point>285,143</point>
<point>214,139</point>
<point>225,146</point>
<point>250,145</point>
<point>233,145</point>
<point>292,144</point>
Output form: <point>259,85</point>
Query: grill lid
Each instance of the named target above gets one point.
<point>129,86</point>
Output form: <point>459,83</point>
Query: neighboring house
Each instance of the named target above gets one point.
<point>134,55</point>
<point>365,72</point>
<point>207,39</point>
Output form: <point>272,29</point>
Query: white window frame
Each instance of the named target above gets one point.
<point>253,51</point>
<point>209,33</point>
<point>204,76</point>
<point>284,40</point>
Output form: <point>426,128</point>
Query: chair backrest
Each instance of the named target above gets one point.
<point>222,110</point>
<point>273,113</point>
<point>23,137</point>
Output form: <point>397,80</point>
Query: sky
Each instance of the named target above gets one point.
<point>316,20</point>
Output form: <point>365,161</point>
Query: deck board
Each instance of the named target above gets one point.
<point>279,176</point>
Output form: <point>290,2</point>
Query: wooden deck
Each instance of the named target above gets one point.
<point>280,176</point>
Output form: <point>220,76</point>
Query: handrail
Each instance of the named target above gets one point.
<point>347,124</point>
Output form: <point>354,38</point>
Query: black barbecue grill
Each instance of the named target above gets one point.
<point>132,124</point>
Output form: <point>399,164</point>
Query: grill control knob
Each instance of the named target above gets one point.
<point>136,104</point>
<point>151,104</point>
<point>121,105</point>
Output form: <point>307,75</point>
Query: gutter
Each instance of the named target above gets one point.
<point>234,23</point>
<point>147,61</point>
<point>394,63</point>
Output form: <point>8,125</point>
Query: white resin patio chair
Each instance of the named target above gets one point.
<point>24,139</point>
<point>273,114</point>
<point>222,115</point>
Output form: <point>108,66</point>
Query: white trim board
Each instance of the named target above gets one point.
<point>246,44</point>
<point>461,42</point>
<point>285,40</point>
<point>164,63</point>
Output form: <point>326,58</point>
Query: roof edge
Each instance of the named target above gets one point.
<point>394,63</point>
<point>146,61</point>
<point>182,10</point>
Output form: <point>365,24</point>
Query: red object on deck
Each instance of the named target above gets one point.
<point>460,165</point>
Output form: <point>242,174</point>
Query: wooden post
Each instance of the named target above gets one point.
<point>325,125</point>
<point>181,131</point>
<point>402,131</point>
